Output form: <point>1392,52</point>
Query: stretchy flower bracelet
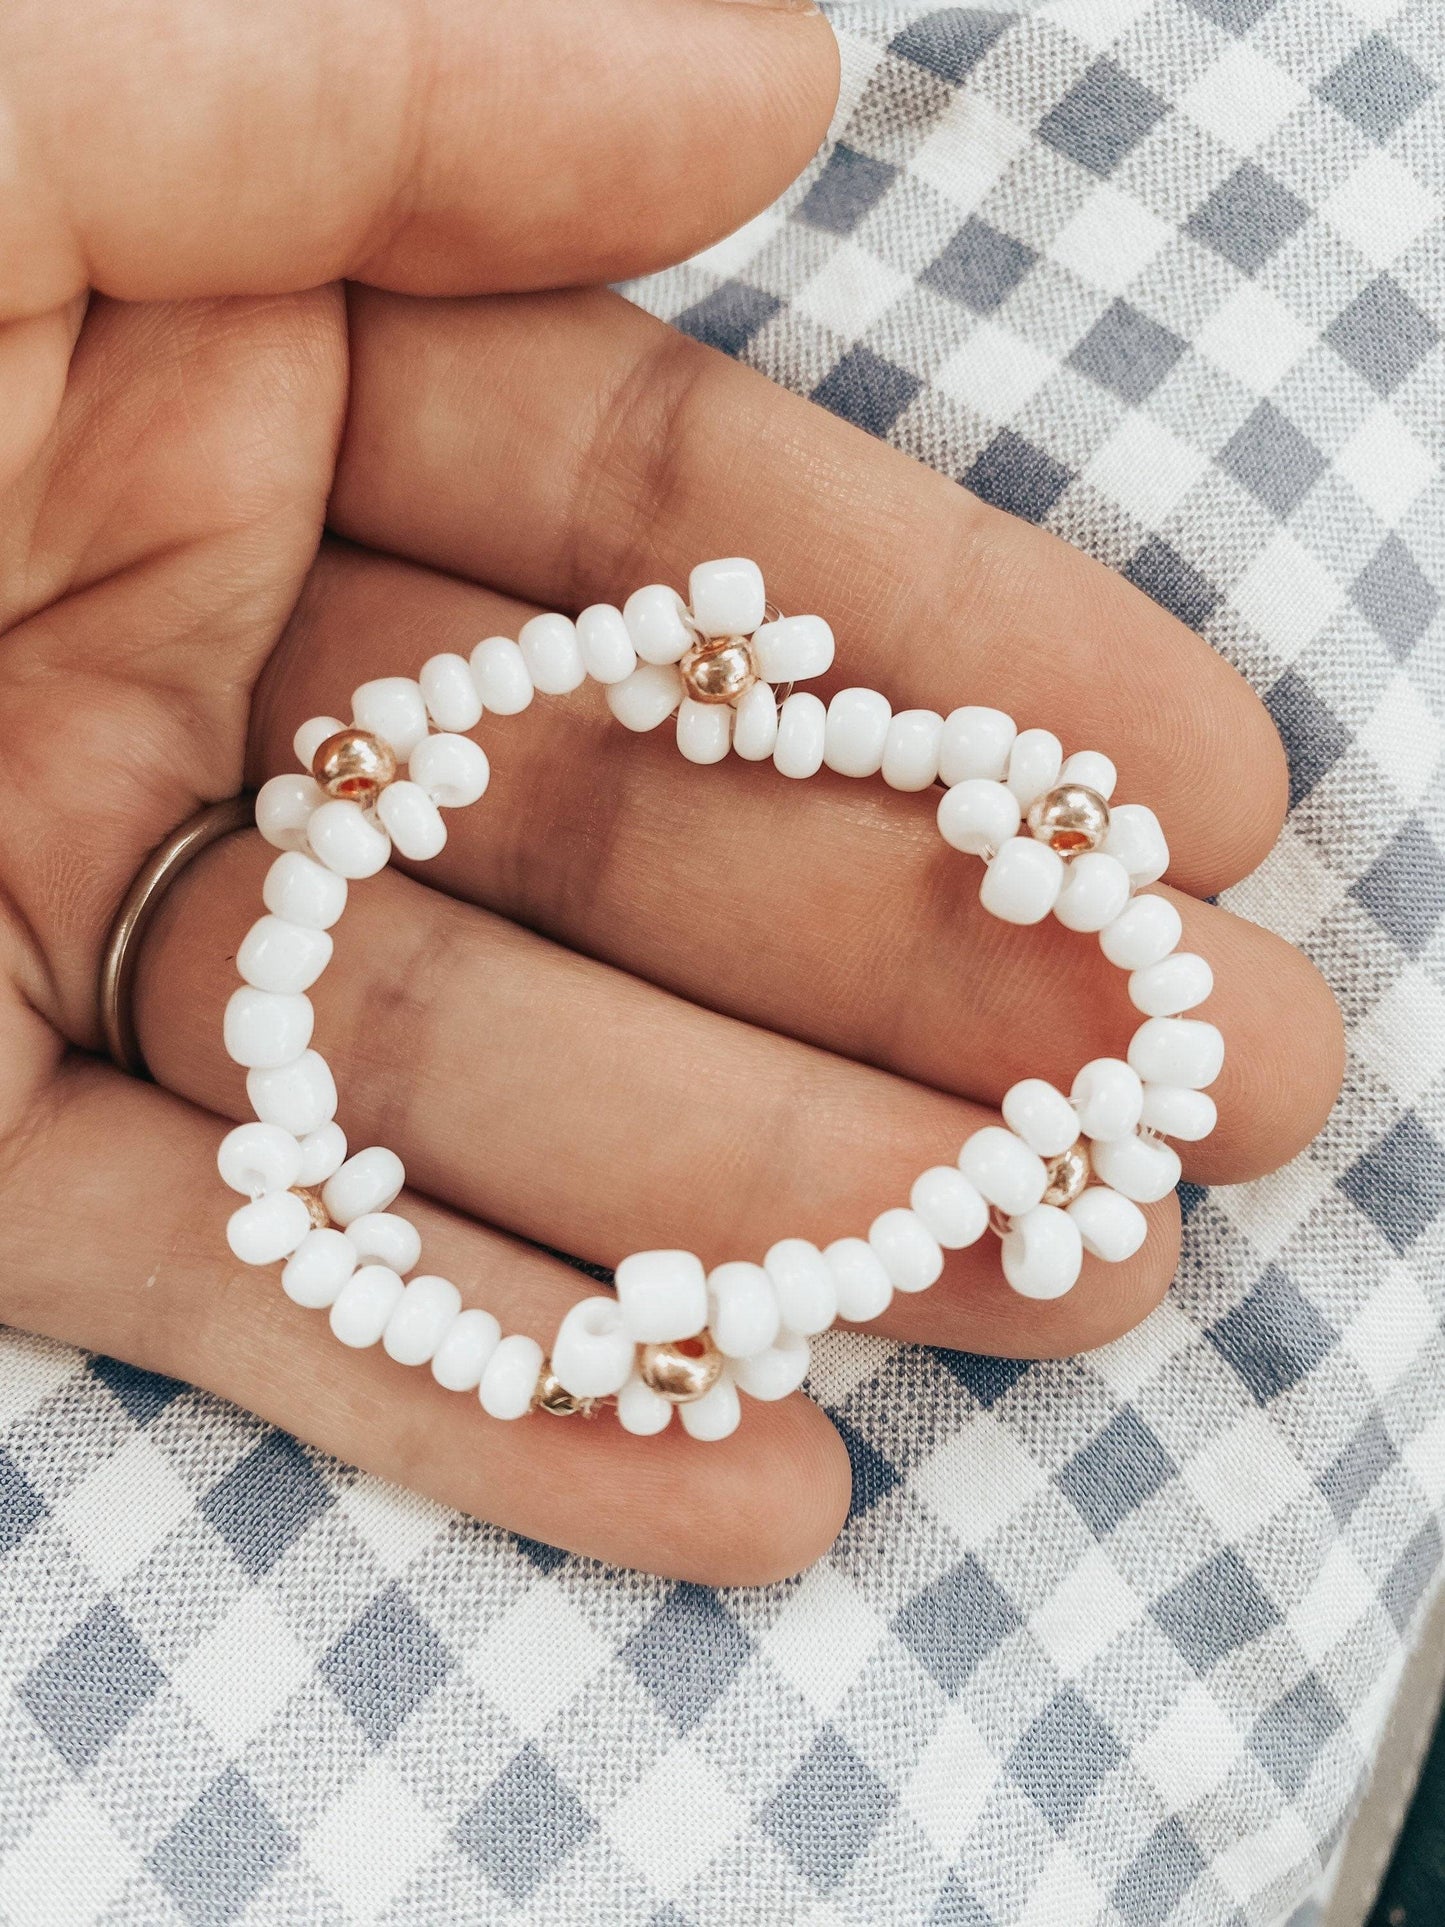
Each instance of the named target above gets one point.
<point>1059,1177</point>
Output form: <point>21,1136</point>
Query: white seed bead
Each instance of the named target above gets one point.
<point>593,1353</point>
<point>509,1378</point>
<point>1135,837</point>
<point>727,597</point>
<point>393,708</point>
<point>807,1297</point>
<point>385,1238</point>
<point>1143,934</point>
<point>860,1278</point>
<point>1034,763</point>
<point>663,1295</point>
<point>856,732</point>
<point>311,735</point>
<point>300,1097</point>
<point>1174,1111</point>
<point>284,807</point>
<point>952,1209</point>
<point>364,1305</point>
<point>304,891</point>
<point>607,649</point>
<point>1138,1167</point>
<point>794,649</point>
<point>910,756</point>
<point>774,1373</point>
<point>704,730</point>
<point>1173,985</point>
<point>318,1268</point>
<point>1022,883</point>
<point>742,1309</point>
<point>715,1415</point>
<point>1043,1117</point>
<point>453,770</point>
<point>501,676</point>
<point>910,1254</point>
<point>641,1410</point>
<point>264,1030</point>
<point>461,1358</point>
<point>656,620</point>
<point>755,723</point>
<point>450,692</point>
<point>283,957</point>
<point>323,1152</point>
<point>1093,771</point>
<point>975,743</point>
<point>1177,1050</point>
<point>1004,1169</point>
<point>552,654</point>
<point>369,1181</point>
<point>1096,888</point>
<point>412,821</point>
<point>647,697</point>
<point>1111,1226</point>
<point>426,1313</point>
<point>268,1228</point>
<point>347,841</point>
<point>802,727</point>
<point>258,1158</point>
<point>1108,1096</point>
<point>978,816</point>
<point>1042,1253</point>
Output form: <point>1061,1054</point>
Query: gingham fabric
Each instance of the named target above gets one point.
<point>1104,1641</point>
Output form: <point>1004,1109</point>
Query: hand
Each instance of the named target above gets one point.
<point>634,1003</point>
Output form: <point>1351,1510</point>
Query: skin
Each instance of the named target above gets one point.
<point>301,380</point>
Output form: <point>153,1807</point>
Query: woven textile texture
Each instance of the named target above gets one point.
<point>1104,1641</point>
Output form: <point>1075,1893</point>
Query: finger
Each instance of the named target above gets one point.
<point>142,1272</point>
<point>570,448</point>
<point>434,147</point>
<point>828,910</point>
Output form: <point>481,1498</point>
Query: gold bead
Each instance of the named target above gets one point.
<point>719,669</point>
<point>681,1370</point>
<point>355,766</point>
<point>1070,818</point>
<point>1068,1173</point>
<point>320,1216</point>
<point>552,1396</point>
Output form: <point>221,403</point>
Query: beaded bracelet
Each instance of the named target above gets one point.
<point>1059,1177</point>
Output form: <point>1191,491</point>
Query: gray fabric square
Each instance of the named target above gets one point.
<point>951,42</point>
<point>1176,585</point>
<point>1062,1758</point>
<point>1235,16</point>
<point>544,1557</point>
<point>1377,86</point>
<point>1314,737</point>
<point>954,1624</point>
<point>1399,1183</point>
<point>959,1906</point>
<point>524,1826</point>
<point>986,1377</point>
<point>827,1810</point>
<point>141,1395</point>
<point>688,1653</point>
<point>1404,888</point>
<point>729,317</point>
<point>1393,595</point>
<point>1411,1573</point>
<point>220,1854</point>
<point>91,1686</point>
<point>1247,217</point>
<point>1274,1337</point>
<point>385,1664</point>
<point>1160,1875</point>
<point>1215,1609</point>
<point>850,186</point>
<point>866,389</point>
<point>1273,459</point>
<point>1105,114</point>
<point>1116,1472</point>
<point>980,267</point>
<point>21,1506</point>
<point>1359,1468</point>
<point>266,1501</point>
<point>1383,335</point>
<point>1288,1736</point>
<point>874,1476</point>
<point>1127,352</point>
<point>1015,475</point>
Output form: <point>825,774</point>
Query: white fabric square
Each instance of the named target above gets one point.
<point>1137,1357</point>
<point>1064,1891</point>
<point>34,1368</point>
<point>1292,891</point>
<point>732,254</point>
<point>1287,594</point>
<point>955,1774</point>
<point>396,1525</point>
<point>1403,1037</point>
<point>1145,469</point>
<point>67,1870</point>
<point>675,1820</point>
<point>1381,208</point>
<point>1243,98</point>
<point>1424,1454</point>
<point>1245,1476</point>
<point>1384,464</point>
<point>995,371</point>
<point>1405,741</point>
<point>1111,240</point>
<point>1338,1598</point>
<point>970,146</point>
<point>1097,23</point>
<point>851,290</point>
<point>240,1675</point>
<point>1392,1327</point>
<point>1251,1864</point>
<point>1268,1212</point>
<point>842,1359</point>
<point>371,1842</point>
<point>1086,1614</point>
<point>537,1657</point>
<point>1254,337</point>
<point>120,1513</point>
<point>980,1479</point>
<point>823,1637</point>
<point>1191,1749</point>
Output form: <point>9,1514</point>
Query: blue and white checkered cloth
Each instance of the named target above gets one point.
<point>1107,1641</point>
